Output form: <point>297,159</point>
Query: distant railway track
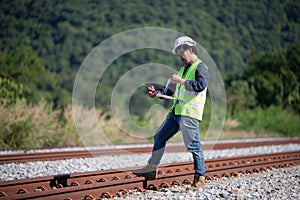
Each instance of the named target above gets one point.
<point>110,183</point>
<point>30,157</point>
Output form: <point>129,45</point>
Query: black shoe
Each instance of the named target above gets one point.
<point>149,172</point>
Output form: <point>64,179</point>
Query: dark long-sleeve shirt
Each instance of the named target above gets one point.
<point>201,75</point>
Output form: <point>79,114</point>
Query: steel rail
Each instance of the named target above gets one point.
<point>110,183</point>
<point>30,157</point>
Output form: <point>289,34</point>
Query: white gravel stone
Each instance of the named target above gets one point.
<point>275,184</point>
<point>13,171</point>
<point>265,185</point>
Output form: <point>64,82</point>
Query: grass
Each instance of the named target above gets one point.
<point>37,126</point>
<point>270,120</point>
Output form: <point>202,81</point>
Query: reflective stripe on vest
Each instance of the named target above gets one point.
<point>191,103</point>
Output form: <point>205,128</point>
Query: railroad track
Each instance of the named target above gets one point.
<point>30,157</point>
<point>97,185</point>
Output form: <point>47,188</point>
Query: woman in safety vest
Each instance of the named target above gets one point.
<point>189,89</point>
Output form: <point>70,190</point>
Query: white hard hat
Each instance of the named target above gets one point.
<point>183,40</point>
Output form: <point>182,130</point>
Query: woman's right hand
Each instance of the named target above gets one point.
<point>151,91</point>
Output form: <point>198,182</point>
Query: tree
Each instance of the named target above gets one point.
<point>10,92</point>
<point>273,74</point>
<point>293,58</point>
<point>23,67</point>
<point>240,96</point>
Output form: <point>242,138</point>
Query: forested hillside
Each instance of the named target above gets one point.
<point>64,32</point>
<point>255,44</point>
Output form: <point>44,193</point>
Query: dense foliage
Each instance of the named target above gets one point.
<point>35,126</point>
<point>255,44</point>
<point>272,78</point>
<point>62,33</point>
<point>24,67</point>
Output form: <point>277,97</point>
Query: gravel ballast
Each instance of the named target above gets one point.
<point>13,171</point>
<point>274,184</point>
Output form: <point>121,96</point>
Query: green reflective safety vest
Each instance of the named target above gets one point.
<point>190,103</point>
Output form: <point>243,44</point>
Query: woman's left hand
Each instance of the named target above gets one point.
<point>175,78</point>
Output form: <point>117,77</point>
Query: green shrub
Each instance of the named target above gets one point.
<point>29,127</point>
<point>270,120</point>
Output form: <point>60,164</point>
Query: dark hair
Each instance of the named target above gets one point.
<point>194,49</point>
